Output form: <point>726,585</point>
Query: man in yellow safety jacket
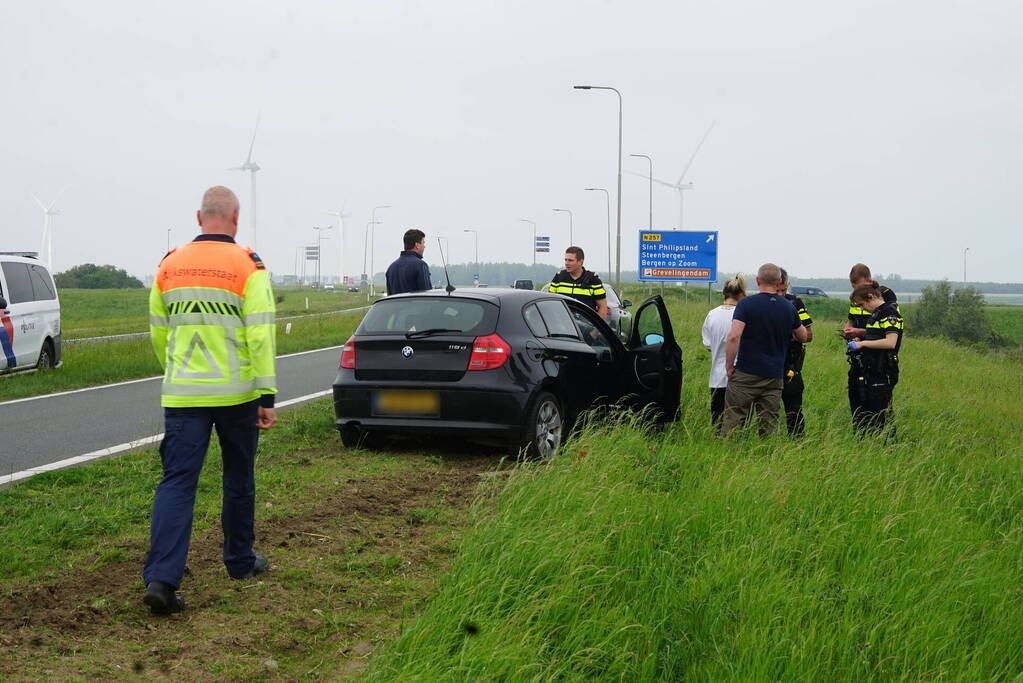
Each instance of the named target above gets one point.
<point>211,318</point>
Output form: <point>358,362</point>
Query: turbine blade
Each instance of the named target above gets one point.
<point>236,168</point>
<point>62,191</point>
<point>41,205</point>
<point>695,152</point>
<point>253,143</point>
<point>656,180</point>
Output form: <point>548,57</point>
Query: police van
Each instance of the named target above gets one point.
<point>29,314</point>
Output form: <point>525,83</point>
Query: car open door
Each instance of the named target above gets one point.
<point>655,360</point>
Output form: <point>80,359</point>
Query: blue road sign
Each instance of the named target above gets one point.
<point>677,255</point>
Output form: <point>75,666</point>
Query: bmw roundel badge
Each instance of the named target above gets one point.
<point>407,351</point>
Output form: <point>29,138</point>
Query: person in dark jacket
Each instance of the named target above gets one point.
<point>409,272</point>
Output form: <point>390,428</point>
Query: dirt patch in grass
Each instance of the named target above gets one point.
<point>344,575</point>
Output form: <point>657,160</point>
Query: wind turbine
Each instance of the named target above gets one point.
<point>251,167</point>
<point>340,215</point>
<point>47,243</point>
<point>680,186</point>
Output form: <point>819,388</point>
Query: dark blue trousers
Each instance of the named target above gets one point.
<point>183,450</point>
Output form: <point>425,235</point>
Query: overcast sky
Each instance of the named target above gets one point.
<point>882,132</point>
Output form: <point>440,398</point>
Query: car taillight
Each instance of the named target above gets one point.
<point>488,353</point>
<point>348,353</point>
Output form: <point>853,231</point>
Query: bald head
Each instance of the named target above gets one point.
<point>219,211</point>
<point>768,277</point>
<point>769,274</point>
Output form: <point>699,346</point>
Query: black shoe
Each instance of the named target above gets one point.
<point>260,565</point>
<point>162,599</point>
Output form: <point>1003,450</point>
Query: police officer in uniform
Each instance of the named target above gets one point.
<point>878,353</point>
<point>859,274</point>
<point>211,320</point>
<point>792,392</point>
<point>579,283</point>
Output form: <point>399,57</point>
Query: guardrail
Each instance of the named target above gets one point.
<point>139,335</point>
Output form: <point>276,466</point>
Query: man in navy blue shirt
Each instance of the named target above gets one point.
<point>762,326</point>
<point>409,272</point>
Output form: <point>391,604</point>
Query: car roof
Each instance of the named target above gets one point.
<point>491,295</point>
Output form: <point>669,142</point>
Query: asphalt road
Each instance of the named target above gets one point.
<point>89,423</point>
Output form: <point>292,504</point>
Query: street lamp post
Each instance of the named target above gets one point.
<point>372,244</point>
<point>298,251</point>
<point>365,251</point>
<point>476,250</point>
<point>319,238</point>
<point>618,236</point>
<point>651,183</point>
<point>607,195</point>
<point>571,226</point>
<point>533,223</point>
<point>168,240</point>
<point>964,264</point>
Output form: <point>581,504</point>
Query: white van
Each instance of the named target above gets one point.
<point>29,315</point>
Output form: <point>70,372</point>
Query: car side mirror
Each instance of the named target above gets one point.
<point>652,338</point>
<point>3,303</point>
<point>626,303</point>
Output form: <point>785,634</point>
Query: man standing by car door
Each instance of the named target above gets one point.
<point>762,325</point>
<point>211,319</point>
<point>409,272</point>
<point>579,283</point>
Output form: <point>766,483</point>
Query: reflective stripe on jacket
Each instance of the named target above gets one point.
<point>212,323</point>
<point>587,289</point>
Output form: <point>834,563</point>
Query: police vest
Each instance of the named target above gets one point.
<point>858,316</point>
<point>587,289</point>
<point>211,320</point>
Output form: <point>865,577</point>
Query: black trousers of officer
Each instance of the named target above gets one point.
<point>870,399</point>
<point>792,398</point>
<point>186,437</point>
<point>717,404</point>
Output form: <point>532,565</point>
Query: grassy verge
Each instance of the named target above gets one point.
<point>95,363</point>
<point>682,556</point>
<point>356,540</point>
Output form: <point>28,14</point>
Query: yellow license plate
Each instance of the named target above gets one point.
<point>424,403</point>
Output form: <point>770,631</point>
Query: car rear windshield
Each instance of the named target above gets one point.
<point>418,314</point>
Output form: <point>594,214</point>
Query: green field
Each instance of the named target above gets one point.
<point>638,556</point>
<point>102,312</point>
<point>634,556</point>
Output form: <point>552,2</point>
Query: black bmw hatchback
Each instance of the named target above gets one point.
<point>513,367</point>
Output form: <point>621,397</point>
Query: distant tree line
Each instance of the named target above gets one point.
<point>91,276</point>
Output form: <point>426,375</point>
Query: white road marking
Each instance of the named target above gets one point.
<point>131,445</point>
<point>135,381</point>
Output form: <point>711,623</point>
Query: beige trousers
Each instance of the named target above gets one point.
<point>746,392</point>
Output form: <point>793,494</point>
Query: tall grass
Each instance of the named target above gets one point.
<point>679,555</point>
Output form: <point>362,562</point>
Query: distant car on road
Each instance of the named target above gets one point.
<point>505,366</point>
<point>353,288</point>
<point>523,284</point>
<point>29,315</point>
<point>808,291</point>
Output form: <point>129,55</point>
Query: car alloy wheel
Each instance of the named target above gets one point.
<point>548,428</point>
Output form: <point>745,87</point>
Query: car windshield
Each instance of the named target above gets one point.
<point>419,314</point>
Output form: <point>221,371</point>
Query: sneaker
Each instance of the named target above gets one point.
<point>162,599</point>
<point>260,565</point>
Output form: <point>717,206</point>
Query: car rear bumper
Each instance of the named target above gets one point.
<point>465,412</point>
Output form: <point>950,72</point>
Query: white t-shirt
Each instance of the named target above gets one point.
<point>715,334</point>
